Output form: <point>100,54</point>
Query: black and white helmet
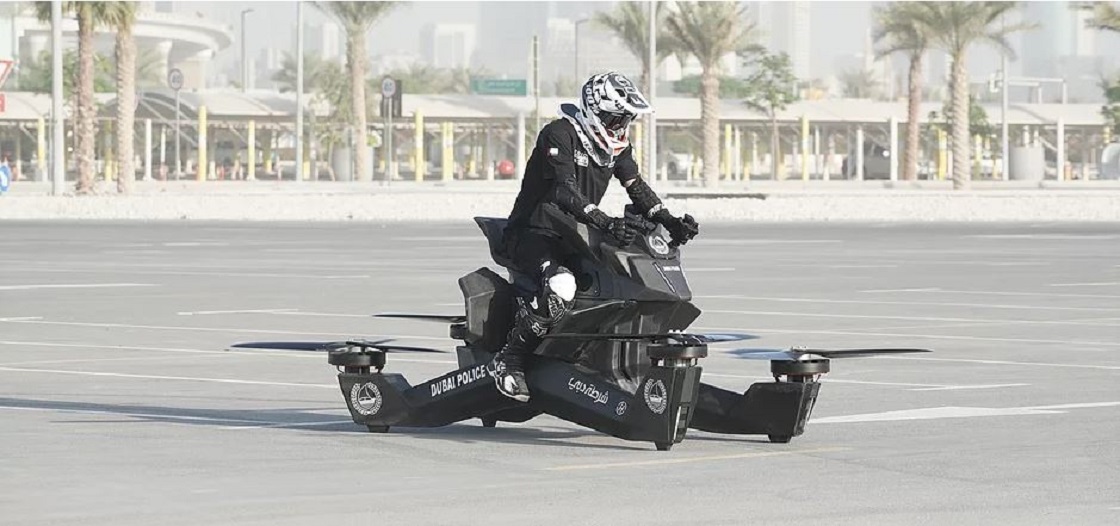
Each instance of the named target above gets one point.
<point>610,102</point>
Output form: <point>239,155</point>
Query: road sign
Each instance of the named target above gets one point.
<point>175,79</point>
<point>5,177</point>
<point>388,87</point>
<point>391,97</point>
<point>510,87</point>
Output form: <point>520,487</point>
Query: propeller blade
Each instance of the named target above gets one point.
<point>852,353</point>
<point>765,354</point>
<point>679,337</point>
<point>798,353</point>
<point>282,346</point>
<point>328,346</point>
<point>439,318</point>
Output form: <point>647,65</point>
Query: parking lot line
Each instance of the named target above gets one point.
<point>162,377</point>
<point>688,460</point>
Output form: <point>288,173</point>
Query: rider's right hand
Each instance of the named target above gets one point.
<point>621,230</point>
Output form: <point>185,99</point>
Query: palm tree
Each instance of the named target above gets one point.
<point>356,19</point>
<point>709,31</point>
<point>902,28</point>
<point>121,16</point>
<point>955,27</point>
<point>1106,16</point>
<point>89,15</point>
<point>629,21</point>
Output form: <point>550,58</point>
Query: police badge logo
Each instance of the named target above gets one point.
<point>658,244</point>
<point>657,399</point>
<point>366,398</point>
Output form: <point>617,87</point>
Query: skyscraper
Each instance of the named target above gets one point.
<point>448,45</point>
<point>790,31</point>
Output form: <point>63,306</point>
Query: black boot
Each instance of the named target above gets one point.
<point>509,377</point>
<point>507,366</point>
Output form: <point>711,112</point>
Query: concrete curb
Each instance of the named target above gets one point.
<point>460,205</point>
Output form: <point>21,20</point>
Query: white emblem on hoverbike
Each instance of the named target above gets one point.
<point>366,398</point>
<point>657,399</point>
<point>658,244</point>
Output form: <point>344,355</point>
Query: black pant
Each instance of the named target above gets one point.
<point>529,250</point>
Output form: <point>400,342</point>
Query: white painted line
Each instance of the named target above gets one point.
<point>852,316</point>
<point>230,330</point>
<point>244,352</point>
<point>197,273</point>
<point>1002,362</point>
<point>829,380</point>
<point>1042,236</point>
<point>160,377</point>
<point>295,424</point>
<point>929,413</point>
<point>686,460</point>
<point>75,286</point>
<point>1096,284</point>
<point>294,312</point>
<point>160,416</point>
<point>1086,405</point>
<point>918,387</point>
<point>999,293</point>
<point>22,318</point>
<point>934,413</point>
<point>242,311</point>
<point>858,266</point>
<point>915,303</point>
<point>964,387</point>
<point>718,241</point>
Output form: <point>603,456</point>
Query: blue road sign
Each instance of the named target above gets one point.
<point>5,178</point>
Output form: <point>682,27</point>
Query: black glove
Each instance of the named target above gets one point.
<point>682,229</point>
<point>620,229</point>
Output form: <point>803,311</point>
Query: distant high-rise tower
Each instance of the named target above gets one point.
<point>790,32</point>
<point>448,45</point>
<point>325,40</point>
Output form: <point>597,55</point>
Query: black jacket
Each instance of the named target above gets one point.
<point>558,155</point>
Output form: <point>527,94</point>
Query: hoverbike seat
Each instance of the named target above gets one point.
<point>494,230</point>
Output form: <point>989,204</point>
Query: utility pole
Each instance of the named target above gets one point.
<point>299,91</point>
<point>58,138</point>
<point>536,84</point>
<point>651,155</point>
<point>1005,148</point>
<point>244,53</point>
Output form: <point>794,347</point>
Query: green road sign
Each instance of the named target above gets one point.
<point>510,87</point>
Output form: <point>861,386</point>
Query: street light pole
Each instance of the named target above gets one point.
<point>244,53</point>
<point>58,138</point>
<point>1005,148</point>
<point>575,74</point>
<point>651,173</point>
<point>299,91</point>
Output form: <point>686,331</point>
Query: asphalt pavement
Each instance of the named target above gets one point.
<point>122,406</point>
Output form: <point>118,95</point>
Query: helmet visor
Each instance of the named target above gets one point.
<point>615,122</point>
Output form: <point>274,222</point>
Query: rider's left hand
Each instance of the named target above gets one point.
<point>682,229</point>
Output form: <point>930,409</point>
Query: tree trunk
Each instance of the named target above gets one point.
<point>86,111</point>
<point>913,120</point>
<point>962,150</point>
<point>709,120</point>
<point>775,145</point>
<point>356,51</point>
<point>126,107</point>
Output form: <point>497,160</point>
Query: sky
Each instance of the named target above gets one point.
<point>839,29</point>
